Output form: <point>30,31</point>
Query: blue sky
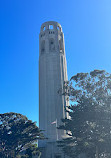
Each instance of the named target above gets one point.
<point>87,29</point>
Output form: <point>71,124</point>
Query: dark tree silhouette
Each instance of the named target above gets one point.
<point>16,134</point>
<point>89,126</point>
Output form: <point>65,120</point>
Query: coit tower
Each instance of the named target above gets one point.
<point>52,74</point>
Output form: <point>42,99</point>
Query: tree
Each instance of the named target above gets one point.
<point>89,125</point>
<point>16,134</point>
<point>32,151</point>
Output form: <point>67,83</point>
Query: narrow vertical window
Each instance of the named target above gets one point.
<point>43,47</point>
<point>51,44</point>
<point>60,46</point>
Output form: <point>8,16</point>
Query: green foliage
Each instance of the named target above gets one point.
<point>32,151</point>
<point>16,134</point>
<point>89,125</point>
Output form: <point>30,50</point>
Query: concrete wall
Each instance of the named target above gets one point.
<point>52,74</point>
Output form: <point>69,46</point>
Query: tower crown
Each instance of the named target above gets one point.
<point>51,38</point>
<point>51,25</point>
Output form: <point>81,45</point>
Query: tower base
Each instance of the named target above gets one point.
<point>51,150</point>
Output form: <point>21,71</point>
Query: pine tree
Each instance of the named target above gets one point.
<point>16,134</point>
<point>89,125</point>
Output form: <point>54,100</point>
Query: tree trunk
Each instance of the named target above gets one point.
<point>97,154</point>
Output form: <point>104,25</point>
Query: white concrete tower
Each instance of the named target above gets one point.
<point>52,74</point>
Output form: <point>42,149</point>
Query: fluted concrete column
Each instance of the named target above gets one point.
<point>52,74</point>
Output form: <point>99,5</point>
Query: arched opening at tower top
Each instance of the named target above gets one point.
<point>51,27</point>
<point>44,28</point>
